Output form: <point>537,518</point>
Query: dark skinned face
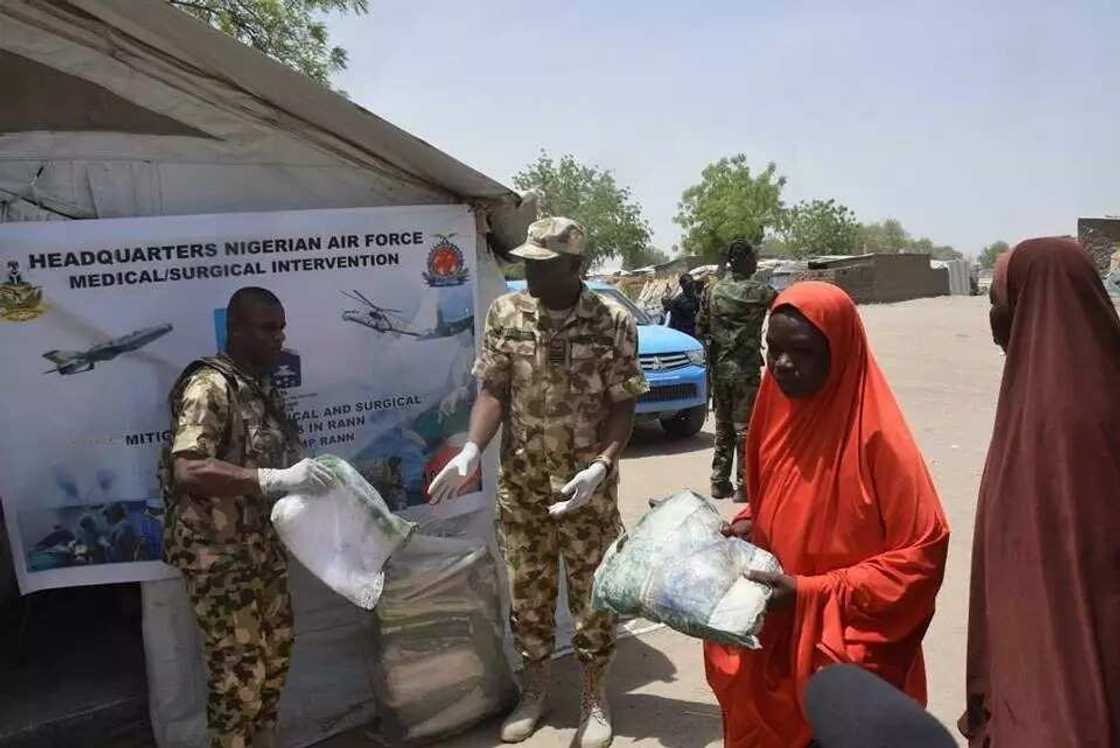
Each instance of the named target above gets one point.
<point>747,264</point>
<point>797,354</point>
<point>257,338</point>
<point>555,282</point>
<point>688,285</point>
<point>999,317</point>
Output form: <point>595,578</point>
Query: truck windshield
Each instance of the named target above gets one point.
<point>615,295</point>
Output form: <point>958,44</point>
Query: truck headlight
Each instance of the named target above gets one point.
<point>696,357</point>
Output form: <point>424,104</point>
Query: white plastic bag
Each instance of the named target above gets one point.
<point>343,536</point>
<point>677,568</point>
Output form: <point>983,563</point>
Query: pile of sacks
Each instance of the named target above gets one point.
<point>440,666</point>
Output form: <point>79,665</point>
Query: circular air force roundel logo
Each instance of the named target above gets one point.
<point>446,264</point>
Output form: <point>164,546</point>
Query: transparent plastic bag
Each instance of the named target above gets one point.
<point>440,666</point>
<point>676,568</point>
<point>344,535</point>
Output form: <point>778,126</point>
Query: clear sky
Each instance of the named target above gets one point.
<point>967,121</point>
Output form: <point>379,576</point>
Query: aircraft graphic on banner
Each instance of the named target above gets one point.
<point>73,362</point>
<point>377,318</point>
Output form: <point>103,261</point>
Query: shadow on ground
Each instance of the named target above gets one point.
<point>650,440</point>
<point>650,704</point>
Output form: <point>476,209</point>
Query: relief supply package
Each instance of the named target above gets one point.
<point>676,568</point>
<point>344,535</point>
<point>440,666</point>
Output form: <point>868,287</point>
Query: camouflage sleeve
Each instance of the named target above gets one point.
<point>203,412</point>
<point>492,369</point>
<point>770,296</point>
<point>625,380</point>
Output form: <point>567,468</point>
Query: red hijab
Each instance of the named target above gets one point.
<point>841,495</point>
<point>1044,615</point>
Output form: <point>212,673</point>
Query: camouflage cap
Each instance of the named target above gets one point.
<point>551,237</point>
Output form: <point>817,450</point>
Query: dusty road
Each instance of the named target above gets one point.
<point>944,370</point>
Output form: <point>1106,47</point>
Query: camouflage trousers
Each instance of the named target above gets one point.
<point>533,543</point>
<point>245,615</point>
<point>732,401</point>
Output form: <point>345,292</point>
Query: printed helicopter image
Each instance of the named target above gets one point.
<point>74,362</point>
<point>377,318</point>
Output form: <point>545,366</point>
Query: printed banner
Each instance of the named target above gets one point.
<point>97,319</point>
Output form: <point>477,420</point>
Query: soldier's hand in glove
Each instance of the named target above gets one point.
<point>307,475</point>
<point>580,489</point>
<point>455,474</point>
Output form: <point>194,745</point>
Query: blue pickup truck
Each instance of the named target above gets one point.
<point>673,364</point>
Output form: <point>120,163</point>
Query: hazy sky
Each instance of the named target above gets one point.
<point>967,121</point>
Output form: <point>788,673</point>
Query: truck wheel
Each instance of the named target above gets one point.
<point>685,423</point>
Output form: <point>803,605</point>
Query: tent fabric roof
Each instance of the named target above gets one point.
<point>255,135</point>
<point>192,43</point>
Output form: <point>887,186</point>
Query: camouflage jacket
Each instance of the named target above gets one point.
<point>730,322</point>
<point>218,410</point>
<point>556,384</point>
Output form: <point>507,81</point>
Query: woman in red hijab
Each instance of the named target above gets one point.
<point>840,494</point>
<point>1044,618</point>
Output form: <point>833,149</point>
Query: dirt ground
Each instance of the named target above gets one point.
<point>939,359</point>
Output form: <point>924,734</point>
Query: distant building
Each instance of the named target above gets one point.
<point>1101,239</point>
<point>881,278</point>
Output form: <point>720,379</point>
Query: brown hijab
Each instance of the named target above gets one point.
<point>1044,620</point>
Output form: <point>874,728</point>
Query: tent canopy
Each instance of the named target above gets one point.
<point>134,108</point>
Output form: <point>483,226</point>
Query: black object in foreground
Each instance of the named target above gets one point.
<point>851,708</point>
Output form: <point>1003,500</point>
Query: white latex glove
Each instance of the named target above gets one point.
<point>581,489</point>
<point>307,475</point>
<point>455,474</point>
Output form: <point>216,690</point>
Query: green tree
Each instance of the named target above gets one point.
<point>289,31</point>
<point>610,214</point>
<point>646,257</point>
<point>936,251</point>
<point>990,253</point>
<point>729,202</point>
<point>886,236</point>
<point>820,227</point>
<point>889,236</point>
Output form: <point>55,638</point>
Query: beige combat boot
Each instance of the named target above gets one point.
<point>532,704</point>
<point>595,729</point>
<point>265,739</point>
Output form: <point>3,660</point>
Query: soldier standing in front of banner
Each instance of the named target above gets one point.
<point>730,324</point>
<point>558,370</point>
<point>234,450</point>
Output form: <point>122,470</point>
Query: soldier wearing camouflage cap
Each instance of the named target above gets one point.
<point>231,447</point>
<point>558,370</point>
<point>732,312</point>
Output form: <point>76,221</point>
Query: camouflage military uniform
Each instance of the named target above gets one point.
<point>730,323</point>
<point>230,556</point>
<point>556,380</point>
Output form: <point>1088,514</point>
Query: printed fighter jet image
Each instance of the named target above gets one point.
<point>377,318</point>
<point>74,362</point>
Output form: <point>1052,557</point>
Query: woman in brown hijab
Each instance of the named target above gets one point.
<point>1044,623</point>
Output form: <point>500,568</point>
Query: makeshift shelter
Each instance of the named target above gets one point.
<point>125,108</point>
<point>881,278</point>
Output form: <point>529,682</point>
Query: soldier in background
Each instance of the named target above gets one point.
<point>234,451</point>
<point>730,325</point>
<point>683,307</point>
<point>558,369</point>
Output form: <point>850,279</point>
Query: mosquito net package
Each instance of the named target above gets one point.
<point>439,632</point>
<point>343,535</point>
<point>676,568</point>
